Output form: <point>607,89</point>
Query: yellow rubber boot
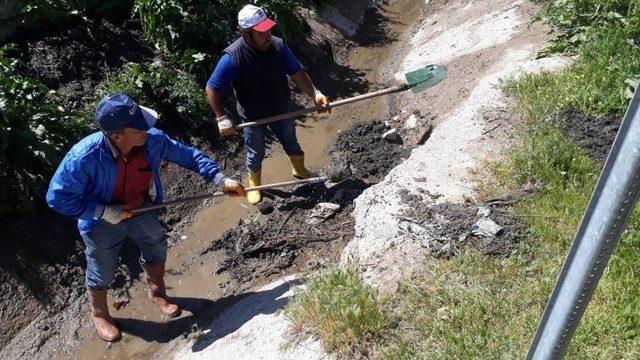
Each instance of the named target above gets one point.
<point>299,170</point>
<point>253,179</point>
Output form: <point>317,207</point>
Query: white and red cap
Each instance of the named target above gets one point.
<point>253,17</point>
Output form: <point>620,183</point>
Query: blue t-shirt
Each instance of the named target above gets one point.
<point>226,71</point>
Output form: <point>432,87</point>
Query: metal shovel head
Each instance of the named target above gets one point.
<point>426,77</point>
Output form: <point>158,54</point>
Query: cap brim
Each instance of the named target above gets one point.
<point>266,25</point>
<point>150,118</point>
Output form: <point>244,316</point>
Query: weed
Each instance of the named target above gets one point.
<point>341,310</point>
<point>174,94</point>
<point>34,134</point>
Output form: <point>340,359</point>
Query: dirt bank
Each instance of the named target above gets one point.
<point>471,118</point>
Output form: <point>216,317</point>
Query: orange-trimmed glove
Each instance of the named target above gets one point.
<point>115,213</point>
<point>232,187</point>
<point>225,126</point>
<point>322,100</point>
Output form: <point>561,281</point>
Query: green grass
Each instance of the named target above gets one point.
<point>342,311</point>
<point>479,307</point>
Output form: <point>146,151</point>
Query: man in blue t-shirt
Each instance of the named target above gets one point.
<point>256,66</point>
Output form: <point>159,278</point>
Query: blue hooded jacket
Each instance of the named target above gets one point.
<point>86,177</point>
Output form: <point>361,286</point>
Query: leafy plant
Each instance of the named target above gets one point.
<point>61,10</point>
<point>193,33</point>
<point>173,93</point>
<point>579,21</point>
<point>34,134</point>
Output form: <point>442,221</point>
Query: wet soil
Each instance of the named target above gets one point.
<point>594,135</point>
<point>74,61</point>
<point>354,148</point>
<point>450,227</point>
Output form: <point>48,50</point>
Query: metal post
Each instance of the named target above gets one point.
<point>598,234</point>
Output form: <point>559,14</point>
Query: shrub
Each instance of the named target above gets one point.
<point>180,103</point>
<point>60,11</point>
<point>579,21</point>
<point>194,33</point>
<point>34,134</point>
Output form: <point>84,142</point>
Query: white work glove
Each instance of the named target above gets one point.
<point>225,126</point>
<point>321,100</point>
<point>232,187</point>
<point>115,213</point>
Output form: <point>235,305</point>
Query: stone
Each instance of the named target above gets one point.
<point>486,227</point>
<point>411,123</point>
<point>391,135</point>
<point>484,211</point>
<point>322,212</point>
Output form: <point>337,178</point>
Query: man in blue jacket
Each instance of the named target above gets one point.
<point>108,174</point>
<point>256,66</point>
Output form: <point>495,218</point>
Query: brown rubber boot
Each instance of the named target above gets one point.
<point>105,327</point>
<point>157,290</point>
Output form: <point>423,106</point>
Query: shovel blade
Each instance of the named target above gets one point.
<point>426,77</point>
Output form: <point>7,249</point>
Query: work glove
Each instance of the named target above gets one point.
<point>116,213</point>
<point>322,100</point>
<point>225,126</point>
<point>232,187</point>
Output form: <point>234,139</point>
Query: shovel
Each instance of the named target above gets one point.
<point>315,180</point>
<point>416,81</point>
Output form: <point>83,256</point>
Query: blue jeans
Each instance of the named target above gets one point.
<point>104,242</point>
<point>254,139</point>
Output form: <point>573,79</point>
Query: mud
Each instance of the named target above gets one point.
<point>453,225</point>
<point>369,156</point>
<point>594,135</point>
<point>74,61</point>
<point>267,244</point>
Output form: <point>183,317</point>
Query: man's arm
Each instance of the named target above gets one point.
<point>214,99</point>
<point>219,82</point>
<point>302,79</point>
<point>66,193</point>
<point>195,160</point>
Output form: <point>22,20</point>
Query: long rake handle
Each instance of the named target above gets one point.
<point>315,180</point>
<point>370,95</point>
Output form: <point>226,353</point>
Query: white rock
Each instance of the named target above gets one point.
<point>412,122</point>
<point>184,237</point>
<point>321,212</point>
<point>486,227</point>
<point>391,135</point>
<point>484,211</point>
<point>412,228</point>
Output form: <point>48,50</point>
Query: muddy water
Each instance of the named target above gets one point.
<point>148,329</point>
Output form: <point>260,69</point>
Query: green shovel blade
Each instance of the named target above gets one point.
<point>426,77</point>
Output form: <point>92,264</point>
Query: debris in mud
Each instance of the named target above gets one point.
<point>265,245</point>
<point>321,212</point>
<point>391,135</point>
<point>120,304</point>
<point>594,135</point>
<point>442,228</point>
<point>265,207</point>
<point>364,149</point>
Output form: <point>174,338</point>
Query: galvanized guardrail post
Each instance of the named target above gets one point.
<point>598,234</point>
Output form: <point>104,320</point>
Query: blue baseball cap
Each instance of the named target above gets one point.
<point>120,111</point>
